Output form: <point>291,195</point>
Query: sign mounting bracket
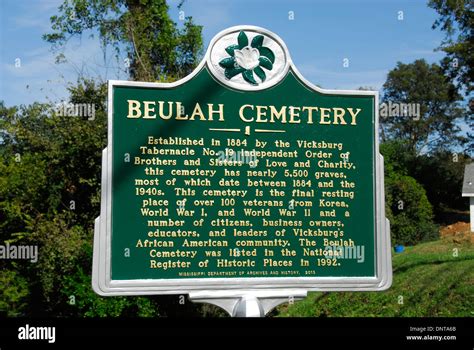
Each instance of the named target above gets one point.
<point>248,303</point>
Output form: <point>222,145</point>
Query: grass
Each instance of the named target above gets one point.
<point>428,280</point>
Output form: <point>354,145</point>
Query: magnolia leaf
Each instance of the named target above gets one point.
<point>248,77</point>
<point>265,63</point>
<point>228,62</point>
<point>260,73</point>
<point>265,51</point>
<point>230,49</point>
<point>242,40</point>
<point>257,41</point>
<point>232,72</point>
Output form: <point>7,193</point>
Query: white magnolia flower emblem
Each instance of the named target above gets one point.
<point>247,58</point>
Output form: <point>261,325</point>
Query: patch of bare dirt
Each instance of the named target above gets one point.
<point>458,232</point>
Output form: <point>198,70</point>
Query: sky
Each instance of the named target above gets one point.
<point>371,35</point>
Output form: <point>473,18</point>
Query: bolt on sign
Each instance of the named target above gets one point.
<point>241,180</point>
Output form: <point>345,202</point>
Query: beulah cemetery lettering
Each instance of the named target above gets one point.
<point>167,110</point>
<point>237,178</point>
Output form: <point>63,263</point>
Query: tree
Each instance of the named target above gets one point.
<point>457,21</point>
<point>47,163</point>
<point>423,85</point>
<point>155,47</point>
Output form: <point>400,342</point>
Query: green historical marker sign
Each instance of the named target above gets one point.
<point>242,176</point>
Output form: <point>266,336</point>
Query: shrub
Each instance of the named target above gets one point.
<point>409,211</point>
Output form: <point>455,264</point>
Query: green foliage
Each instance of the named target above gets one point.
<point>428,281</point>
<point>424,84</point>
<point>59,158</point>
<point>62,248</point>
<point>156,47</point>
<point>13,293</point>
<point>456,19</point>
<point>47,161</point>
<point>82,300</point>
<point>397,157</point>
<point>18,180</point>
